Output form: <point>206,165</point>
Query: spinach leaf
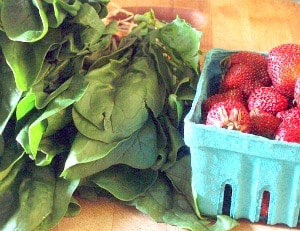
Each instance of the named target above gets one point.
<point>9,191</point>
<point>117,100</point>
<point>9,94</point>
<point>62,199</point>
<point>38,186</point>
<point>87,157</point>
<point>182,47</point>
<point>129,183</point>
<point>42,124</point>
<point>26,59</point>
<point>170,200</point>
<point>24,21</point>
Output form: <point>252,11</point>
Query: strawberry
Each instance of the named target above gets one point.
<point>236,76</point>
<point>249,86</point>
<point>230,114</point>
<point>257,61</point>
<point>265,204</point>
<point>230,94</point>
<point>263,123</point>
<point>289,130</point>
<point>267,99</point>
<point>297,92</point>
<point>284,67</point>
<point>292,112</point>
<point>242,76</point>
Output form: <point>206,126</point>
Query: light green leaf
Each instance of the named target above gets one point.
<point>186,45</point>
<point>25,105</point>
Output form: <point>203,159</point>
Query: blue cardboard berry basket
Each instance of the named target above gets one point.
<point>250,165</point>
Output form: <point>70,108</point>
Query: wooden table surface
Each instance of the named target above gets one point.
<point>255,25</point>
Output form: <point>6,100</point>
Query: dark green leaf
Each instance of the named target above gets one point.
<point>124,182</point>
<point>117,100</point>
<point>9,94</point>
<point>37,188</point>
<point>24,21</point>
<point>62,199</point>
<point>26,59</point>
<point>88,156</point>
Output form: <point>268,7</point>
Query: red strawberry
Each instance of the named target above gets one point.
<point>229,114</point>
<point>292,112</point>
<point>265,204</point>
<point>264,123</point>
<point>267,99</point>
<point>284,67</point>
<point>258,61</point>
<point>230,94</point>
<point>236,76</point>
<point>249,86</point>
<point>297,92</point>
<point>289,130</point>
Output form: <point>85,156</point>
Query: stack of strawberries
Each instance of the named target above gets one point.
<point>259,94</point>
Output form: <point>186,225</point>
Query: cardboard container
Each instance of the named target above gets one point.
<point>249,164</point>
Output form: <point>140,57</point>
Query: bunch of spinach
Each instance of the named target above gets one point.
<point>80,114</point>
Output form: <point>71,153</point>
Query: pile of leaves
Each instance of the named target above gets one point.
<point>86,114</point>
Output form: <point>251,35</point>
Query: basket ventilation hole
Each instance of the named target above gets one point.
<point>264,209</point>
<point>227,199</point>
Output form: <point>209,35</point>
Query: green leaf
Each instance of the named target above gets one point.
<point>22,129</point>
<point>25,105</point>
<point>26,59</point>
<point>186,45</point>
<point>93,25</point>
<point>170,142</point>
<point>88,156</point>
<point>224,223</point>
<point>156,200</point>
<point>24,21</point>
<point>64,116</point>
<point>124,182</point>
<point>180,174</point>
<point>9,94</point>
<point>62,199</point>
<point>61,9</point>
<point>10,157</point>
<point>49,148</point>
<point>9,192</point>
<point>36,130</point>
<point>142,153</point>
<point>117,100</point>
<point>86,150</point>
<point>172,202</point>
<point>35,200</point>
<point>175,110</point>
<point>73,208</point>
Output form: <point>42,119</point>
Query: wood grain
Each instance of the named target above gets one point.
<point>238,25</point>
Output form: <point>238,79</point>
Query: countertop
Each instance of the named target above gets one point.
<point>240,24</point>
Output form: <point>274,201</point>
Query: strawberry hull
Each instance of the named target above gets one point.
<point>249,164</point>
